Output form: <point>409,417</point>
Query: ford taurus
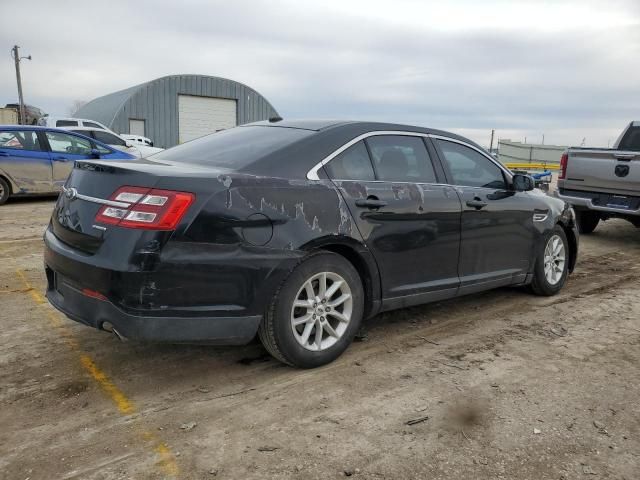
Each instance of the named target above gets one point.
<point>296,232</point>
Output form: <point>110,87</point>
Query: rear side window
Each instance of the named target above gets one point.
<point>66,123</point>
<point>234,148</point>
<point>352,164</point>
<point>470,168</point>
<point>20,140</point>
<point>399,158</point>
<point>631,140</point>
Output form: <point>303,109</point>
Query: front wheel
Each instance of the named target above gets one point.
<point>552,263</point>
<point>315,313</point>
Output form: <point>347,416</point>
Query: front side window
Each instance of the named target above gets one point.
<point>108,138</point>
<point>91,124</point>
<point>352,164</point>
<point>20,140</point>
<point>102,150</point>
<point>470,168</point>
<point>66,123</point>
<point>65,143</point>
<point>399,158</point>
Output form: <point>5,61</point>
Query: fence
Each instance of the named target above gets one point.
<point>529,156</point>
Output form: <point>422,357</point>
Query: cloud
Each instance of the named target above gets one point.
<point>565,69</point>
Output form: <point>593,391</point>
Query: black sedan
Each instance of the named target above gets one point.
<point>296,231</point>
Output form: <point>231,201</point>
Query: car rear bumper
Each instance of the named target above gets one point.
<point>200,301</point>
<point>104,315</point>
<point>588,203</point>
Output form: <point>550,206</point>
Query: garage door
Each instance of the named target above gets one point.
<point>136,127</point>
<point>198,116</point>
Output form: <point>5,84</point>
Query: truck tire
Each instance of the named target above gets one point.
<point>315,313</point>
<point>552,263</point>
<point>5,191</point>
<point>587,221</point>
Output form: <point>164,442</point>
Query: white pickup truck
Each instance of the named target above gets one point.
<point>603,183</point>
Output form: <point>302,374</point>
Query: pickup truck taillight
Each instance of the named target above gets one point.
<point>149,208</point>
<point>563,165</point>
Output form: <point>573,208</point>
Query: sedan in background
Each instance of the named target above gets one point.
<point>116,141</point>
<point>38,160</point>
<point>296,232</point>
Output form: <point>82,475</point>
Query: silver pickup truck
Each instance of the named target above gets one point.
<point>603,183</point>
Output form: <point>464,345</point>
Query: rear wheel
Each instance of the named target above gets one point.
<point>315,313</point>
<point>552,263</point>
<point>5,191</point>
<point>587,221</point>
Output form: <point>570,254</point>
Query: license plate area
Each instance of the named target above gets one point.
<point>619,201</point>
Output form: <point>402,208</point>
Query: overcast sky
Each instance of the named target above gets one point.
<point>565,69</point>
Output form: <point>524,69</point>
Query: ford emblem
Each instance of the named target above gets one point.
<point>71,193</point>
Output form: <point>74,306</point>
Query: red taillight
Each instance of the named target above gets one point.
<point>148,208</point>
<point>563,165</point>
<point>93,294</point>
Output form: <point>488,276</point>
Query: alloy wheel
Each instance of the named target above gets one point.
<point>554,259</point>
<point>321,311</point>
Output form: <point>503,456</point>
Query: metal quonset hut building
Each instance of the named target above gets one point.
<point>178,108</point>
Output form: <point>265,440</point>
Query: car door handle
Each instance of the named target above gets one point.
<point>60,159</point>
<point>476,203</point>
<point>370,202</point>
<point>4,154</point>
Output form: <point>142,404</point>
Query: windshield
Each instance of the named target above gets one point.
<point>234,148</point>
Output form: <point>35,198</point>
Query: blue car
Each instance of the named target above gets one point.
<point>38,160</point>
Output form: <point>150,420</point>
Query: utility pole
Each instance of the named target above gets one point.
<point>491,143</point>
<point>16,59</point>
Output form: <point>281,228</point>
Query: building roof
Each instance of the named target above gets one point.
<point>105,109</point>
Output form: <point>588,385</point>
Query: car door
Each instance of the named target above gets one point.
<point>409,221</point>
<point>66,148</point>
<point>25,161</point>
<point>497,222</point>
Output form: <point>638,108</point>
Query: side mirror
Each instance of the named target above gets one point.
<point>522,183</point>
<point>95,153</point>
<point>129,144</point>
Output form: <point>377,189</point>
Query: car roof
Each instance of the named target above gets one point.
<point>303,124</point>
<point>28,127</point>
<point>82,127</point>
<point>322,125</point>
<point>54,129</point>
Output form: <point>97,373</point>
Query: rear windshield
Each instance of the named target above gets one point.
<point>234,148</point>
<point>631,140</point>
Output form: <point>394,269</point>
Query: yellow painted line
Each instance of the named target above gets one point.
<point>167,462</point>
<point>120,399</point>
<point>533,166</point>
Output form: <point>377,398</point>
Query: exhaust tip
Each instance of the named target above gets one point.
<point>108,327</point>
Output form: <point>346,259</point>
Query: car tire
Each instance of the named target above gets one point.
<point>587,221</point>
<point>290,332</point>
<point>552,263</point>
<point>5,191</point>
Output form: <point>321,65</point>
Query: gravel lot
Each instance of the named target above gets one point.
<point>496,385</point>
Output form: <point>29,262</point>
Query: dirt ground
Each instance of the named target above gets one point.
<point>497,385</point>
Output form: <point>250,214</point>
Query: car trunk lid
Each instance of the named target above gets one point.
<point>91,186</point>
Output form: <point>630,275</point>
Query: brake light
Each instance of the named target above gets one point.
<point>563,165</point>
<point>93,294</point>
<point>148,208</point>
